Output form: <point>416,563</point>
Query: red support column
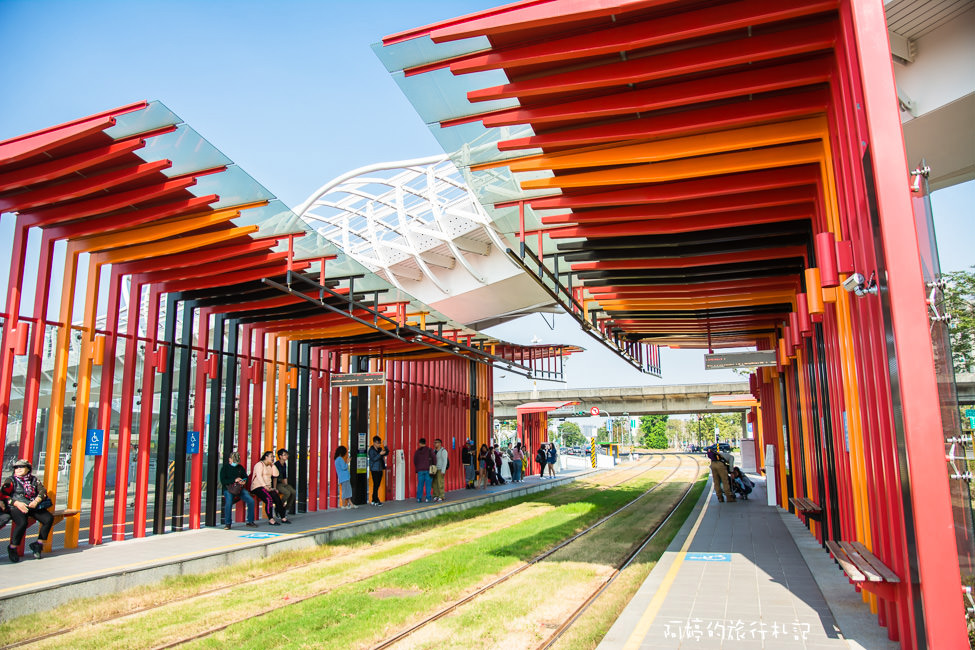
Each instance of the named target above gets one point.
<point>199,416</point>
<point>42,291</point>
<point>150,367</point>
<point>314,426</point>
<point>133,315</point>
<point>15,281</point>
<point>105,410</point>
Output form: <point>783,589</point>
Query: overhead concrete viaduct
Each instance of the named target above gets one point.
<point>635,400</point>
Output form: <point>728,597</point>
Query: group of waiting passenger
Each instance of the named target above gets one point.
<point>486,466</point>
<point>268,484</point>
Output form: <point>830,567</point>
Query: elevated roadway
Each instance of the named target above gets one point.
<point>635,400</point>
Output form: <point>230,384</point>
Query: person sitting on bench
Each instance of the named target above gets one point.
<point>28,500</point>
<point>233,477</point>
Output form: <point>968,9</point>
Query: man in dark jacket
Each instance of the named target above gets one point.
<point>233,478</point>
<point>281,484</point>
<point>423,458</point>
<point>377,467</point>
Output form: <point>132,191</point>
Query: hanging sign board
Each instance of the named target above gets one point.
<point>739,360</point>
<point>359,379</point>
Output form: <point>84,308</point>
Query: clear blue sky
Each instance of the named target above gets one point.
<point>293,94</point>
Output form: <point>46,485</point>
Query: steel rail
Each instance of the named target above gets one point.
<point>538,558</point>
<point>564,627</point>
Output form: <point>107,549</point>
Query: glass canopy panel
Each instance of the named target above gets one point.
<point>234,187</point>
<point>188,150</point>
<point>422,50</point>
<point>152,117</point>
<point>438,95</point>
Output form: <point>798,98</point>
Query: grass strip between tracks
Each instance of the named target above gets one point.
<point>523,612</point>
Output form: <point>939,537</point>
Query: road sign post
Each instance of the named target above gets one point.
<point>592,452</point>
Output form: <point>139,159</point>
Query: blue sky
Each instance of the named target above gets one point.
<point>293,94</point>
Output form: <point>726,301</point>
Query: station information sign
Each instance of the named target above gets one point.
<point>358,379</point>
<point>739,360</point>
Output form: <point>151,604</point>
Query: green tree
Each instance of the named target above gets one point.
<point>571,434</point>
<point>602,435</point>
<point>727,424</point>
<point>653,430</point>
<point>959,301</point>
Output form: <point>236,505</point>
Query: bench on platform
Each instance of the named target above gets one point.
<point>59,516</point>
<point>864,569</point>
<point>806,507</point>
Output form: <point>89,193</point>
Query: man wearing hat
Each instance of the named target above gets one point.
<point>25,495</point>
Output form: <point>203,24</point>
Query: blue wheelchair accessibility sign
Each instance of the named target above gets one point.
<point>192,442</point>
<point>95,444</point>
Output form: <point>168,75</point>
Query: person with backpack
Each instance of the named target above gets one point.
<point>719,473</point>
<point>542,459</point>
<point>442,462</point>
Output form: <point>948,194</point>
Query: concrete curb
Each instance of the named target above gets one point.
<point>46,598</point>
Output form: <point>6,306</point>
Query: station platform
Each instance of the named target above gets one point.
<point>745,575</point>
<point>31,585</point>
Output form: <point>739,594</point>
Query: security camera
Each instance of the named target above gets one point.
<point>853,282</point>
<point>855,285</point>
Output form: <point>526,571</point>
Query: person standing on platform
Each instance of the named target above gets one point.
<point>482,468</point>
<point>551,457</point>
<point>27,498</point>
<point>344,478</point>
<point>542,459</point>
<point>516,458</point>
<point>440,478</point>
<point>262,482</point>
<point>233,478</point>
<point>727,457</point>
<point>719,473</point>
<point>423,459</point>
<point>377,467</point>
<point>469,461</point>
<point>281,484</point>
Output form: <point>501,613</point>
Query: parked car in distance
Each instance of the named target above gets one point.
<point>723,446</point>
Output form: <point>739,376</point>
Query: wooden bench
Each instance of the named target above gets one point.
<point>864,569</point>
<point>59,516</point>
<point>807,508</point>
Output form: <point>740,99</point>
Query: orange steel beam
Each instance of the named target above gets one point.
<point>766,135</point>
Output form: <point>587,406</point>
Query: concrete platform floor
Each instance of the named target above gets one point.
<point>745,575</point>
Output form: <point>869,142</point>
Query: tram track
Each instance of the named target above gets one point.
<point>282,575</point>
<point>404,634</point>
<point>630,557</point>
